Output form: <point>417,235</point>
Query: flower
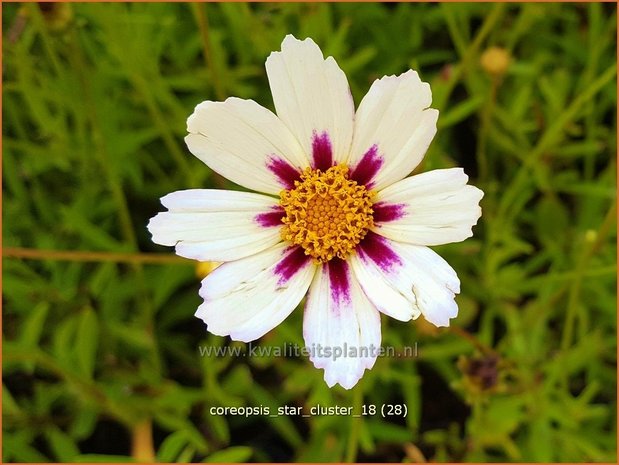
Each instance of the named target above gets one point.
<point>340,221</point>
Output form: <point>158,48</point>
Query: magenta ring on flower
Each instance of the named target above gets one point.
<point>340,220</point>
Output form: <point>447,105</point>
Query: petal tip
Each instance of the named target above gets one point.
<point>347,381</point>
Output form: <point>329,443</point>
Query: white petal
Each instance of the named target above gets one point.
<point>338,320</point>
<point>195,200</point>
<point>393,129</point>
<point>312,97</point>
<point>247,298</point>
<point>378,268</point>
<point>245,143</point>
<point>217,225</point>
<point>432,208</point>
<point>404,280</point>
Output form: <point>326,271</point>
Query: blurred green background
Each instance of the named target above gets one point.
<point>101,354</point>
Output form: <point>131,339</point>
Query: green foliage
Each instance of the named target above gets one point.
<point>95,102</point>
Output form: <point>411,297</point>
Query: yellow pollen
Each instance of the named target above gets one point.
<point>326,213</point>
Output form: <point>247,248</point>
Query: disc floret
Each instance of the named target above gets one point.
<point>326,213</point>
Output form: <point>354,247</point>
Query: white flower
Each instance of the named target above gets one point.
<point>340,221</point>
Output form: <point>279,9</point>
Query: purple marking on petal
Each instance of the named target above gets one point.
<point>368,167</point>
<point>286,173</point>
<point>339,280</point>
<point>385,212</point>
<point>272,218</point>
<point>293,261</point>
<point>322,152</point>
<point>377,249</point>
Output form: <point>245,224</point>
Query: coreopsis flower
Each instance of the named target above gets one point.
<point>337,218</point>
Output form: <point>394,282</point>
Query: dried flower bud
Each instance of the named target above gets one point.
<point>482,375</point>
<point>57,15</point>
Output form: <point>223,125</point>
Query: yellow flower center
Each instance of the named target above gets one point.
<point>326,213</point>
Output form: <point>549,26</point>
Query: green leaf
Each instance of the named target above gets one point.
<point>18,447</point>
<point>552,220</point>
<point>102,458</point>
<point>84,423</point>
<point>384,431</point>
<point>238,454</point>
<point>33,326</point>
<point>32,330</point>
<point>86,341</point>
<point>63,447</point>
<point>460,112</point>
<point>172,446</point>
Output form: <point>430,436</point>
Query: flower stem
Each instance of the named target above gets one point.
<point>90,256</point>
<point>486,117</point>
<point>353,439</point>
<point>207,48</point>
<point>467,58</point>
<point>582,265</point>
<point>142,442</point>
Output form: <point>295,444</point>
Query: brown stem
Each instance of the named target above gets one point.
<point>87,256</point>
<point>142,449</point>
<point>484,349</point>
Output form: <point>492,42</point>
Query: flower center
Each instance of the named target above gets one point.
<point>326,213</point>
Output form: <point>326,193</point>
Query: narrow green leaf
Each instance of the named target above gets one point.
<point>236,454</point>
<point>63,447</point>
<point>460,112</point>
<point>172,446</point>
<point>86,341</point>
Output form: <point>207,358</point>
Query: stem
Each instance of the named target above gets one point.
<point>355,425</point>
<point>453,29</point>
<point>483,348</point>
<point>124,216</point>
<point>487,27</point>
<point>89,256</point>
<point>583,262</point>
<point>37,16</point>
<point>549,137</point>
<point>207,48</point>
<point>164,128</point>
<point>518,183</point>
<point>101,152</point>
<point>16,29</point>
<point>486,117</point>
<point>142,449</point>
